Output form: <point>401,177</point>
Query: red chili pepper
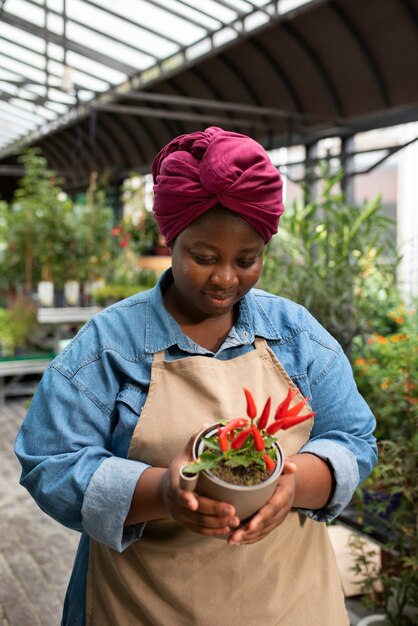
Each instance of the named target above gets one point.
<point>262,422</point>
<point>295,419</point>
<point>270,464</point>
<point>240,439</point>
<point>297,408</point>
<point>274,427</point>
<point>284,405</point>
<point>258,439</point>
<point>223,441</point>
<point>233,424</point>
<point>287,422</point>
<point>251,408</point>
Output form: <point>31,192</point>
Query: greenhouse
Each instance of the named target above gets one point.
<point>90,93</point>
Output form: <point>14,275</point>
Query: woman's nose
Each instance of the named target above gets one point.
<point>224,276</point>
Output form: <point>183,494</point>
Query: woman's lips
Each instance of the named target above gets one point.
<point>220,298</point>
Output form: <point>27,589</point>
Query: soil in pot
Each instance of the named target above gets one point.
<point>245,476</point>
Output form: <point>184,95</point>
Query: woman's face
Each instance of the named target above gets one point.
<point>215,261</point>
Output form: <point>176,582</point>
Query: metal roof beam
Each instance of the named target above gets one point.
<point>147,96</point>
<point>176,115</point>
<point>160,5</point>
<point>97,31</point>
<point>28,27</point>
<point>128,21</point>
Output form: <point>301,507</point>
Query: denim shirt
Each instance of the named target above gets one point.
<point>74,441</point>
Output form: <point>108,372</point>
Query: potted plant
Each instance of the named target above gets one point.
<point>240,461</point>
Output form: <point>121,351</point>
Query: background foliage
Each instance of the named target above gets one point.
<point>337,259</point>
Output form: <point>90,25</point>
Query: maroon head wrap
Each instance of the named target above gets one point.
<point>194,172</point>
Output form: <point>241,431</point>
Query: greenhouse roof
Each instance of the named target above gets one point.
<point>102,85</point>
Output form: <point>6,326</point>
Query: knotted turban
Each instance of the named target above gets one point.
<point>194,172</point>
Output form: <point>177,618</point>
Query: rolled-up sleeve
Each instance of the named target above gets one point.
<point>64,447</point>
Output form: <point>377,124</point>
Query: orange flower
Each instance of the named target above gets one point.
<point>398,337</point>
<point>360,362</point>
<point>400,319</point>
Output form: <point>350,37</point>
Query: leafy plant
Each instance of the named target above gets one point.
<point>90,253</point>
<point>386,367</point>
<point>335,258</point>
<point>244,447</point>
<point>36,227</point>
<point>113,292</point>
<point>17,324</point>
<point>140,237</point>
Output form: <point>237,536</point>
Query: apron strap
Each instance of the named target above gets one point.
<point>259,343</point>
<point>158,357</point>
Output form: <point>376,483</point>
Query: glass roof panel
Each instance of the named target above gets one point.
<point>86,47</point>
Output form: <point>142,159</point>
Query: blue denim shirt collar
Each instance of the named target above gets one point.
<point>162,331</point>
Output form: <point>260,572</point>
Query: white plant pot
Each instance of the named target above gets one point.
<point>247,500</point>
<point>72,292</point>
<point>46,293</point>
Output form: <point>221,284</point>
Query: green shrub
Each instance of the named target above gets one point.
<point>336,259</point>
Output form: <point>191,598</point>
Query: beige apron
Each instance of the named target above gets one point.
<point>174,577</point>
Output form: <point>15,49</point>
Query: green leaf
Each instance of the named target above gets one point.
<point>203,463</point>
<point>237,460</point>
<point>210,444</point>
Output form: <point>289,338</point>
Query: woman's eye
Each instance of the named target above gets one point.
<point>246,262</point>
<point>204,260</point>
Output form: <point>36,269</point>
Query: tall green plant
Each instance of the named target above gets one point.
<point>91,250</point>
<point>37,225</point>
<point>335,258</point>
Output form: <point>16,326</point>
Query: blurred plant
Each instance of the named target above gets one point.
<point>91,252</point>
<point>17,325</point>
<point>115,291</point>
<point>386,369</point>
<point>35,231</point>
<point>337,259</point>
<point>137,233</point>
<point>138,238</point>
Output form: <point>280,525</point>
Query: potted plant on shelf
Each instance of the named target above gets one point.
<point>240,461</point>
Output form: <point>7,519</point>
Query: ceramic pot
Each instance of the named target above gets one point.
<point>247,500</point>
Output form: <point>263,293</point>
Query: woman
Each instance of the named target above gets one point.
<point>105,435</point>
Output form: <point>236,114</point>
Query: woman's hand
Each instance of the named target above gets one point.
<point>273,513</point>
<point>197,513</point>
